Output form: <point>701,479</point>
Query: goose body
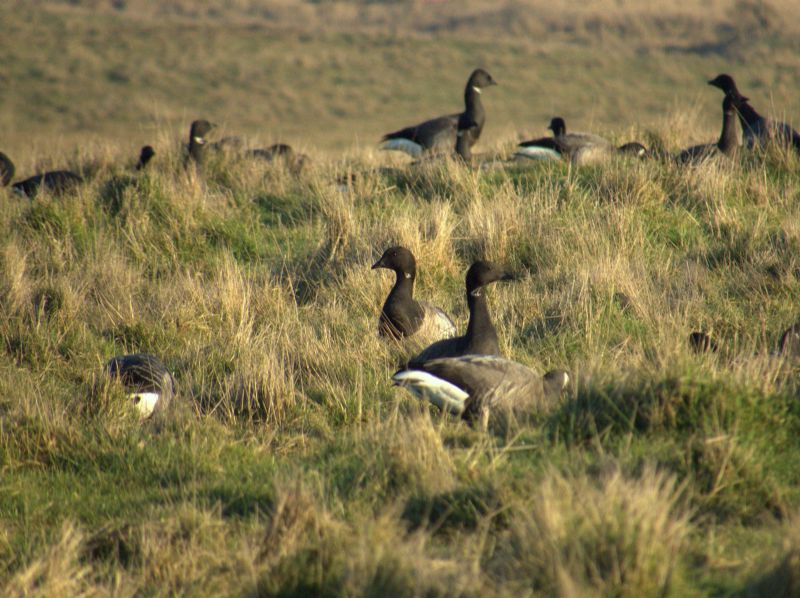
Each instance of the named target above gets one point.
<point>578,148</point>
<point>293,160</point>
<point>476,386</point>
<point>756,129</point>
<point>56,182</point>
<point>446,134</point>
<point>403,316</point>
<point>481,336</point>
<point>148,382</point>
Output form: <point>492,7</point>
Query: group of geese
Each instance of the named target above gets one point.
<point>462,375</point>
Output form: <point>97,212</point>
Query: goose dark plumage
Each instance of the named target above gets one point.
<point>481,336</point>
<point>756,129</point>
<point>446,134</point>
<point>477,386</point>
<point>402,315</point>
<point>6,170</point>
<point>578,148</point>
<point>56,182</point>
<point>145,155</point>
<point>701,342</point>
<point>728,141</point>
<point>146,379</point>
<point>197,140</point>
<point>293,160</point>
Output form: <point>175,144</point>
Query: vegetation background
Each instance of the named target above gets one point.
<point>290,464</point>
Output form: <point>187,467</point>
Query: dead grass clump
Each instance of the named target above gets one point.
<point>610,536</point>
<point>57,572</point>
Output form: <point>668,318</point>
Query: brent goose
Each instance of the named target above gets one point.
<point>402,315</point>
<point>789,345</point>
<point>146,379</point>
<point>197,139</point>
<point>756,128</point>
<point>481,336</point>
<point>701,342</point>
<point>472,386</point>
<point>446,133</point>
<point>281,152</point>
<point>728,141</point>
<point>145,155</point>
<point>54,181</point>
<point>578,148</point>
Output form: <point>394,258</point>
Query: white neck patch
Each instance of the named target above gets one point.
<point>406,274</point>
<point>476,292</point>
<point>476,88</point>
<point>145,402</point>
<point>198,140</point>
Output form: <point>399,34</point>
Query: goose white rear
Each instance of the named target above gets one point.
<point>446,396</point>
<point>403,145</point>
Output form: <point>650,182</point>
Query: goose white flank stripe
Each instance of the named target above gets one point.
<point>446,396</point>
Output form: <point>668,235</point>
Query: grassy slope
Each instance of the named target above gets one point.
<point>291,463</point>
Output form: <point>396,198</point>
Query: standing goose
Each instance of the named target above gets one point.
<point>197,140</point>
<point>472,386</point>
<point>756,128</point>
<point>481,336</point>
<point>446,133</point>
<point>578,148</point>
<point>402,315</point>
<point>56,182</point>
<point>728,140</point>
<point>146,379</point>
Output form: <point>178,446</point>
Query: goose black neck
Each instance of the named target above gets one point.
<point>472,103</point>
<point>481,336</point>
<point>403,286</point>
<point>196,151</point>
<point>727,139</point>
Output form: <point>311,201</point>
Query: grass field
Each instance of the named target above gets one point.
<point>290,465</point>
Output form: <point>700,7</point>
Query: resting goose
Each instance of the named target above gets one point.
<point>56,182</point>
<point>402,315</point>
<point>578,148</point>
<point>474,386</point>
<point>728,140</point>
<point>445,134</point>
<point>481,336</point>
<point>146,379</point>
<point>756,128</point>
